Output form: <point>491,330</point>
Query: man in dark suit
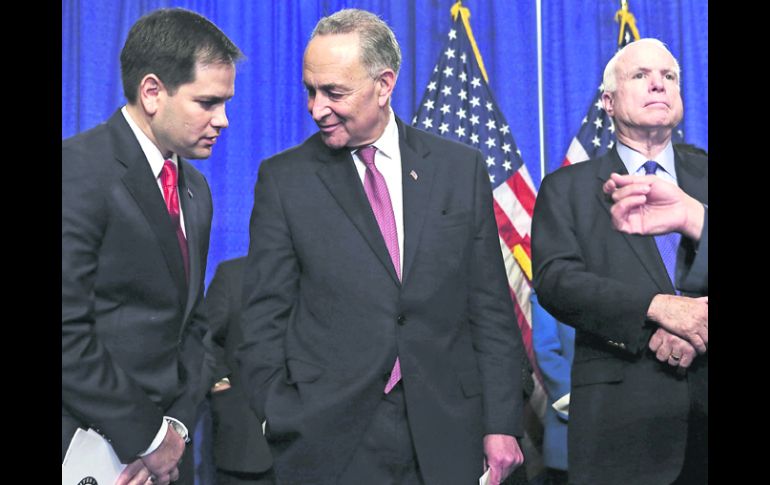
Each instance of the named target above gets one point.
<point>136,218</point>
<point>639,405</point>
<point>380,341</point>
<point>241,454</point>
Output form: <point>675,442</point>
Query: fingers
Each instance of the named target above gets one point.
<point>664,351</point>
<point>688,356</point>
<point>617,181</point>
<point>134,474</point>
<point>633,190</point>
<point>699,344</point>
<point>672,349</point>
<point>624,180</point>
<point>494,475</point>
<point>161,479</point>
<point>655,341</point>
<point>609,187</point>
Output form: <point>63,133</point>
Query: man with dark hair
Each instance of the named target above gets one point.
<point>631,277</point>
<point>379,338</point>
<point>136,218</point>
<point>241,454</point>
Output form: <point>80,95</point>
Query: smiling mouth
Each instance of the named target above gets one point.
<point>328,128</point>
<point>656,103</point>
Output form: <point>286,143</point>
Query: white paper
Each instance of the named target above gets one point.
<point>484,479</point>
<point>562,405</point>
<point>90,455</point>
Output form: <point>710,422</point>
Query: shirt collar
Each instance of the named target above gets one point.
<point>387,143</point>
<point>634,160</point>
<point>151,152</point>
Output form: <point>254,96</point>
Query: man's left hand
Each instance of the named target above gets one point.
<point>503,456</point>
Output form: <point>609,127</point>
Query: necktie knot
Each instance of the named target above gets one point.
<point>168,174</point>
<point>367,155</point>
<point>650,167</point>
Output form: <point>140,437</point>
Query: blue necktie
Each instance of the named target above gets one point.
<point>667,243</point>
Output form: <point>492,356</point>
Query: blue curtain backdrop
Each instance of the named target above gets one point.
<point>268,113</point>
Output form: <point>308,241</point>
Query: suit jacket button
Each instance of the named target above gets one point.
<point>401,319</point>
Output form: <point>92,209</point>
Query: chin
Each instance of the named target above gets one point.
<point>198,154</point>
<point>333,143</point>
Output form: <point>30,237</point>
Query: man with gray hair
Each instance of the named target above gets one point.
<point>631,283</point>
<point>379,339</point>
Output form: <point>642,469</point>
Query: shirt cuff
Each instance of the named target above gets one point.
<point>158,439</point>
<point>161,435</point>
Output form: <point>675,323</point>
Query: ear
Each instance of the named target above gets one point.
<point>151,92</point>
<point>385,85</point>
<point>608,102</point>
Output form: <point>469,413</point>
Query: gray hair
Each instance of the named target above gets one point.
<point>610,80</point>
<point>379,48</point>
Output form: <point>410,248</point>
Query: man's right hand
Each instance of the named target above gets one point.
<point>672,349</point>
<point>134,474</point>
<point>649,205</point>
<point>683,316</point>
<point>162,463</point>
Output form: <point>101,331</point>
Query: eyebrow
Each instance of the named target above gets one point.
<point>647,69</point>
<point>213,98</point>
<point>324,87</point>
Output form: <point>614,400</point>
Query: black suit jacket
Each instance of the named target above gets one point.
<point>325,315</point>
<point>132,347</point>
<point>628,412</point>
<point>239,444</point>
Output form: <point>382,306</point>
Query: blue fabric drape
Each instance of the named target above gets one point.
<point>268,113</point>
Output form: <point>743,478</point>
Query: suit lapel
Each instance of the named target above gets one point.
<point>691,177</point>
<point>644,247</point>
<point>416,191</point>
<point>142,186</point>
<point>191,215</point>
<point>340,177</point>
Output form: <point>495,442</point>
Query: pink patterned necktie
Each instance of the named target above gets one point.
<point>377,192</point>
<point>168,181</point>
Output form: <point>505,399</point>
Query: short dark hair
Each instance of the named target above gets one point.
<point>169,42</point>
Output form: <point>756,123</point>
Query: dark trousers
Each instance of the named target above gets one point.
<point>385,455</point>
<point>187,467</point>
<point>225,477</point>
<point>696,458</point>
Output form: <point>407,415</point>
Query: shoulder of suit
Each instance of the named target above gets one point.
<point>303,154</point>
<point>438,143</point>
<point>91,149</point>
<point>576,170</point>
<point>697,157</point>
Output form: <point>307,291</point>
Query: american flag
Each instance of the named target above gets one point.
<point>597,132</point>
<point>458,104</point>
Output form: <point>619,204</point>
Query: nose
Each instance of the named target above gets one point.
<point>220,118</point>
<point>656,82</point>
<point>318,106</point>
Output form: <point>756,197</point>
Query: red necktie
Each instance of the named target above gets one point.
<point>377,192</point>
<point>168,181</point>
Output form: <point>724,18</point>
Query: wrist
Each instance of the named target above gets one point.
<point>694,216</point>
<point>655,310</point>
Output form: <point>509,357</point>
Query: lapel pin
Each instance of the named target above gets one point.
<point>413,174</point>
